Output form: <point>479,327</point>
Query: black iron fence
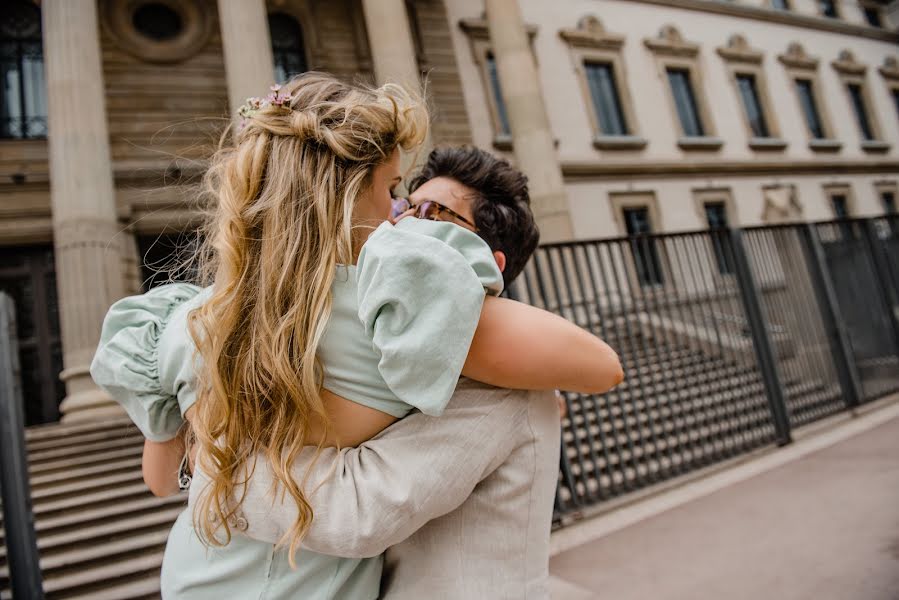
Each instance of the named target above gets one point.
<point>729,339</point>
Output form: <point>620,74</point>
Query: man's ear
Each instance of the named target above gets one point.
<point>500,259</point>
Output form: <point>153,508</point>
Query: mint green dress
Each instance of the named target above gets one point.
<point>402,321</point>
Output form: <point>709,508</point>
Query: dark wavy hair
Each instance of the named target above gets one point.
<point>501,204</point>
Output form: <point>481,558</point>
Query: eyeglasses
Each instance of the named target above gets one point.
<point>430,210</point>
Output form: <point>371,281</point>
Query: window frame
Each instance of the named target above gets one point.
<point>618,203</point>
<point>788,6</point>
<point>724,196</point>
<point>889,70</point>
<point>840,189</point>
<point>851,72</point>
<point>887,187</point>
<point>799,65</point>
<point>480,46</point>
<point>25,118</point>
<point>743,60</point>
<point>866,5</point>
<point>588,43</point>
<point>671,51</point>
<point>300,21</point>
<point>838,13</point>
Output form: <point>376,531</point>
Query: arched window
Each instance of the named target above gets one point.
<point>23,101</point>
<point>288,50</point>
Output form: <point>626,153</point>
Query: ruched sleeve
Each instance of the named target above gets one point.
<point>421,285</point>
<point>131,366</point>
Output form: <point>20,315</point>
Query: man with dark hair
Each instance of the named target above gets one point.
<point>462,503</point>
<point>492,192</point>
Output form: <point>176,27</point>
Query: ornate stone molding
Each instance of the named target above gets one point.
<point>739,50</point>
<point>575,170</point>
<point>590,33</point>
<point>477,28</point>
<point>117,19</point>
<point>796,58</point>
<point>847,65</point>
<point>890,68</point>
<point>794,19</point>
<point>670,42</point>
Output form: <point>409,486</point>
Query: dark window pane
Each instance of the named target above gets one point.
<point>497,92</point>
<point>780,4</point>
<point>861,113</point>
<point>716,215</point>
<point>606,102</point>
<point>895,93</point>
<point>888,199</point>
<point>755,114</point>
<point>828,8</point>
<point>840,206</point>
<point>157,21</point>
<point>810,108</point>
<point>288,49</point>
<point>166,258</point>
<point>685,101</point>
<point>23,109</point>
<point>646,255</point>
<point>872,16</point>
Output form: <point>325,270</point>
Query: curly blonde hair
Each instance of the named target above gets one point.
<point>284,195</point>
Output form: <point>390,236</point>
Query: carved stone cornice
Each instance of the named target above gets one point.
<point>890,68</point>
<point>783,17</point>
<point>670,42</point>
<point>739,50</point>
<point>847,65</point>
<point>590,33</point>
<point>576,170</point>
<point>477,28</point>
<point>796,58</point>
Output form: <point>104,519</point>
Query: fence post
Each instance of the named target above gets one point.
<point>889,289</point>
<point>761,341</point>
<point>18,516</point>
<point>834,325</point>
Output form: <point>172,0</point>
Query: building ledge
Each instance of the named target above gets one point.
<point>825,145</point>
<point>875,146</point>
<point>700,143</point>
<point>767,144</point>
<point>619,142</point>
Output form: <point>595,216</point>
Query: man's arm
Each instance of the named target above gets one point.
<point>380,493</point>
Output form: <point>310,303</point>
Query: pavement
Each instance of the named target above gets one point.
<point>819,520</point>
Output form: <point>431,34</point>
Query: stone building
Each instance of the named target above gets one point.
<point>627,115</point>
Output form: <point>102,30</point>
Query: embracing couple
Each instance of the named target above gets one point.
<point>349,378</point>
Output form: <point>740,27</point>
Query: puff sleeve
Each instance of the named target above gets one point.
<point>421,285</point>
<point>139,368</point>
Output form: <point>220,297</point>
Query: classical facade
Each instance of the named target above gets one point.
<point>628,117</point>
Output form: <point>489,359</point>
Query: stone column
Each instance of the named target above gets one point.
<point>249,67</point>
<point>85,228</point>
<point>392,51</point>
<point>533,141</point>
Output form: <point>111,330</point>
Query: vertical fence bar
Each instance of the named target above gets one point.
<point>888,288</point>
<point>18,516</point>
<point>760,338</point>
<point>834,325</point>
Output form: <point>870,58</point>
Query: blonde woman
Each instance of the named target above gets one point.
<point>323,325</point>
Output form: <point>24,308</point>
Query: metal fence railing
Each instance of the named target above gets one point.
<point>729,339</point>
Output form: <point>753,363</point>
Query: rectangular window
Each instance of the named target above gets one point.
<point>497,92</point>
<point>685,102</point>
<point>716,215</point>
<point>780,4</point>
<point>861,114</point>
<point>895,93</point>
<point>828,8</point>
<point>754,112</point>
<point>872,16</point>
<point>888,199</point>
<point>606,101</point>
<point>810,108</point>
<point>840,206</point>
<point>646,255</point>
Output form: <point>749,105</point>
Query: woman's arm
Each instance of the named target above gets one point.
<point>521,347</point>
<point>160,465</point>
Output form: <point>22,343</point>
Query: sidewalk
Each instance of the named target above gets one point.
<point>824,526</point>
